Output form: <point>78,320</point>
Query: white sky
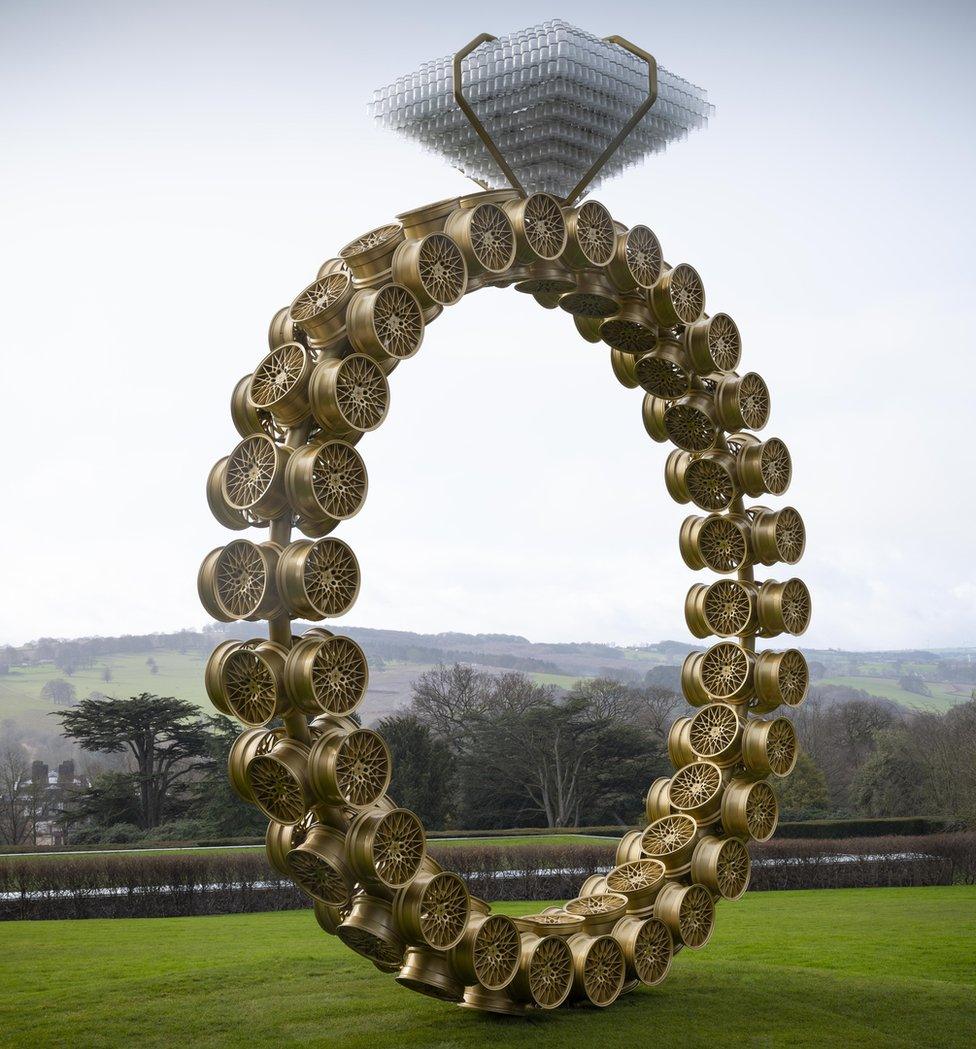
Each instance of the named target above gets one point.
<point>173,174</point>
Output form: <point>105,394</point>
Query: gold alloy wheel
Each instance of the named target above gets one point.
<point>322,779</point>
<point>326,675</point>
<point>714,344</point>
<point>718,542</point>
<point>714,734</point>
<point>648,948</point>
<point>539,226</point>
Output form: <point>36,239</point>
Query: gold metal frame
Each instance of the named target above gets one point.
<point>322,779</point>
<point>577,191</point>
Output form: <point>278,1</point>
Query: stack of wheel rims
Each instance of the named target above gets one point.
<point>321,779</point>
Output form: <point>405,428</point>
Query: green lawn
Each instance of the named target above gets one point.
<point>869,967</point>
<point>943,697</point>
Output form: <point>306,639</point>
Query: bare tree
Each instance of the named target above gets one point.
<point>17,818</point>
<point>447,699</point>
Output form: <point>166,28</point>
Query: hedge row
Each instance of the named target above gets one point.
<point>911,826</point>
<point>132,885</point>
<point>819,829</point>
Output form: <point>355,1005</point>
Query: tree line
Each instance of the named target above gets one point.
<point>481,751</point>
<point>167,782</point>
<point>475,750</point>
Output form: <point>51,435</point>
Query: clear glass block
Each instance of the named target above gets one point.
<point>552,96</point>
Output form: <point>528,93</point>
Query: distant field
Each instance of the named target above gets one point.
<point>389,690</point>
<point>561,680</point>
<point>182,676</point>
<point>853,968</point>
<point>179,675</point>
<point>943,696</point>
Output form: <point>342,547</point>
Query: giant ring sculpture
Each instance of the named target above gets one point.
<point>305,761</point>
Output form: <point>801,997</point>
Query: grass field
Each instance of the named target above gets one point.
<point>179,675</point>
<point>943,697</point>
<point>182,676</point>
<point>851,968</point>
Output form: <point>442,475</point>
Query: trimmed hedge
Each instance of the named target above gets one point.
<point>866,828</point>
<point>818,829</point>
<point>232,883</point>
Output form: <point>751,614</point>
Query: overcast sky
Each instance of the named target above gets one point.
<point>172,174</point>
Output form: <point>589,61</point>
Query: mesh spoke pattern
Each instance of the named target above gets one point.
<point>781,746</point>
<point>250,687</point>
<point>318,877</point>
<point>644,256</point>
<point>444,910</point>
<point>796,606</point>
<point>319,298</point>
<point>687,293</point>
<point>331,577</point>
<point>696,786</point>
<point>398,321</point>
<point>776,466</point>
<point>241,578</point>
<point>362,393</point>
<point>628,336</point>
<point>762,811</point>
<point>696,916</point>
<point>545,227</point>
<point>588,304</point>
<point>662,377</point>
<point>339,675</point>
<point>398,847</point>
<point>362,767</point>
<point>728,608</point>
<point>653,951</point>
<point>443,273</point>
<point>667,836</point>
<point>250,472</point>
<point>492,238</point>
<point>546,286</point>
<point>275,789</point>
<point>596,904</point>
<point>754,401</point>
<point>558,921</point>
<point>689,427</point>
<point>371,946</point>
<point>496,951</point>
<point>724,342</point>
<point>551,972</point>
<point>732,869</point>
<point>595,233</point>
<point>791,535</point>
<point>715,730</point>
<point>388,234</point>
<point>277,375</point>
<point>636,876</point>
<point>794,677</point>
<point>725,670</point>
<point>722,544</point>
<point>710,484</point>
<point>339,480</point>
<point>603,971</point>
